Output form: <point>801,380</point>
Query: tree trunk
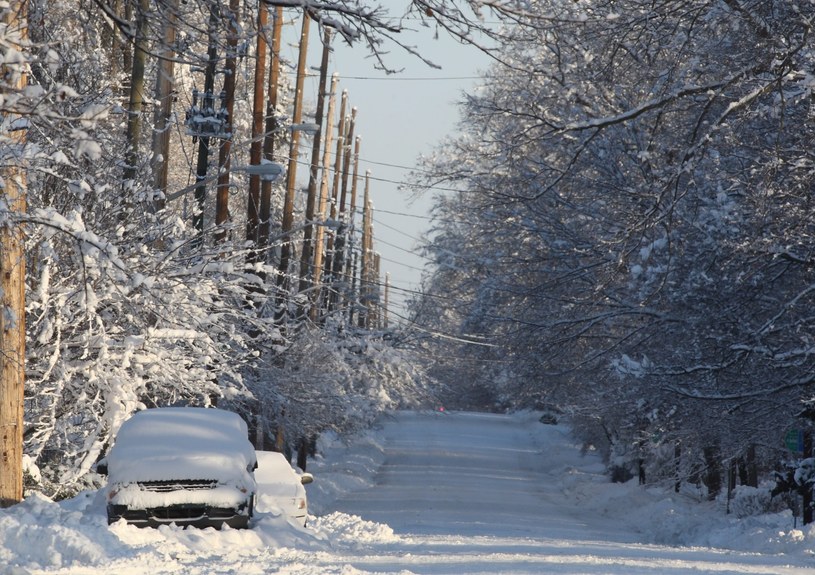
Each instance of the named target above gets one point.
<point>713,472</point>
<point>127,50</point>
<point>12,282</point>
<point>677,467</point>
<point>748,472</point>
<point>807,488</point>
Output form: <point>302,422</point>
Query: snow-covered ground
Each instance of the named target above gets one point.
<point>430,493</point>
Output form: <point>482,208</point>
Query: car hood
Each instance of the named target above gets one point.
<point>152,466</point>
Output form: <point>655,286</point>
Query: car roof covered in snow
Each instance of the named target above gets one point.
<point>182,443</point>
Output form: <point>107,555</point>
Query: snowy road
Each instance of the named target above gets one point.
<point>428,493</point>
<point>478,493</point>
<point>470,475</point>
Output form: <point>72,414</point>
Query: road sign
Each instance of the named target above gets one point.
<point>794,440</point>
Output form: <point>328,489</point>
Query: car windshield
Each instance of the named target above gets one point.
<point>275,475</point>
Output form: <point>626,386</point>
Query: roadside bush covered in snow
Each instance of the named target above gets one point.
<point>749,501</point>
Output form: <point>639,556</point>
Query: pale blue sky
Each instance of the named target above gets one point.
<point>400,117</point>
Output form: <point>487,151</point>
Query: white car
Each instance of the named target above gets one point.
<point>280,487</point>
<point>182,465</point>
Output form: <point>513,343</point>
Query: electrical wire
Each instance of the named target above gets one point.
<point>382,211</point>
<point>413,78</point>
<point>389,165</point>
<point>441,335</point>
<point>395,229</point>
<point>403,264</point>
<point>401,184</point>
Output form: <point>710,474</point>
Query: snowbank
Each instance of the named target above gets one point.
<point>667,518</point>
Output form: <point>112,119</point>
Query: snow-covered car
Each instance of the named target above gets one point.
<point>184,465</point>
<point>280,487</point>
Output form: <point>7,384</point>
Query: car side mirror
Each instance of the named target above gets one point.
<point>306,478</point>
<point>102,467</point>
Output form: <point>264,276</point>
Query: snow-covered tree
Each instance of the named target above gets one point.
<point>633,182</point>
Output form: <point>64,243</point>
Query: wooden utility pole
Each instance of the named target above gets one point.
<point>256,149</point>
<point>136,101</point>
<point>314,169</point>
<point>338,262</point>
<point>346,162</point>
<point>291,180</point>
<point>354,180</point>
<point>350,264</point>
<point>351,271</point>
<point>164,97</point>
<point>225,151</point>
<point>265,215</point>
<point>385,301</point>
<point>376,320</point>
<point>335,190</point>
<point>12,275</point>
<point>207,108</point>
<point>365,280</point>
<point>323,199</point>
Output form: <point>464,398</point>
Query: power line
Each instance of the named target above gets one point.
<point>409,291</point>
<point>379,240</point>
<point>403,264</point>
<point>333,153</point>
<point>397,182</point>
<point>413,78</point>
<point>398,166</point>
<point>397,230</point>
<point>421,217</point>
<point>441,335</point>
